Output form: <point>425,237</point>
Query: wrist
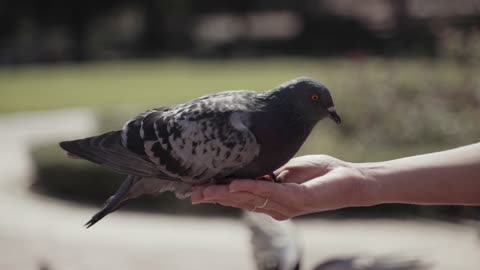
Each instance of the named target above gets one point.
<point>370,184</point>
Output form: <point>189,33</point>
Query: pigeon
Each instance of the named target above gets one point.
<point>382,262</point>
<point>211,139</point>
<point>275,244</point>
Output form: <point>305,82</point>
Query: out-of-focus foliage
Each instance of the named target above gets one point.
<point>407,104</point>
<point>58,31</point>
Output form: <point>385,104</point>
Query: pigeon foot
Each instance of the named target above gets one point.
<point>268,177</point>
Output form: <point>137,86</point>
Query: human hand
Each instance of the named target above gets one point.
<point>307,184</point>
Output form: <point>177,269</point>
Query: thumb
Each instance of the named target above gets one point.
<point>282,175</point>
<point>289,176</point>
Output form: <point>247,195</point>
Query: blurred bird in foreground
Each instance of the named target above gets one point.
<point>373,263</point>
<point>275,243</point>
<point>231,134</point>
<point>276,246</point>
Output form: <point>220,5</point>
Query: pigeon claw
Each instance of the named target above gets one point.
<point>95,218</point>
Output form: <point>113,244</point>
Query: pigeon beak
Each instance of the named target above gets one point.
<point>333,114</point>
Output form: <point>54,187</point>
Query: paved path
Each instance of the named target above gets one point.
<point>36,231</point>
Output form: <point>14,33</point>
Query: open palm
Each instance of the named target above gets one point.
<point>307,184</point>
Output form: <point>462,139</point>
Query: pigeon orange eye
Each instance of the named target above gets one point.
<point>315,97</point>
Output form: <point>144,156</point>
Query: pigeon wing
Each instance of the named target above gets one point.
<point>207,138</point>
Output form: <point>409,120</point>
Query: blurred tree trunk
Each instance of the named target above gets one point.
<point>78,26</point>
<point>400,13</point>
<point>153,32</point>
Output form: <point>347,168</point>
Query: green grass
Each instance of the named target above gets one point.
<point>146,83</point>
<point>158,83</point>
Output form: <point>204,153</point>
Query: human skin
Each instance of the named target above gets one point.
<point>317,183</point>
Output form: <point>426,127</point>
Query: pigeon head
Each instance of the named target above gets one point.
<point>310,98</point>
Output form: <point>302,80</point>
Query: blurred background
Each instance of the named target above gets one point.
<point>404,75</point>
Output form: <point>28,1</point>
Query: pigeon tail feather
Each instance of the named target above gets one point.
<point>107,150</point>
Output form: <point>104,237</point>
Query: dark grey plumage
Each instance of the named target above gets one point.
<point>242,134</point>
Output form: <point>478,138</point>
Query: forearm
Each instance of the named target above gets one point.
<point>448,177</point>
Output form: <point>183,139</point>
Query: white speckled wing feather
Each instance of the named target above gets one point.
<point>205,139</point>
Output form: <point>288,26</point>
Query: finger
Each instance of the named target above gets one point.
<point>197,194</point>
<point>241,199</point>
<point>273,214</point>
<point>228,202</point>
<point>283,177</point>
<point>274,191</point>
<point>288,176</point>
<point>285,166</point>
<point>248,198</point>
<point>206,193</point>
<point>249,207</point>
<point>214,191</point>
<point>249,201</point>
<point>200,193</point>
